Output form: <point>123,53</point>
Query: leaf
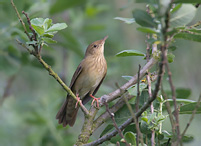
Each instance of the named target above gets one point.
<point>170,57</point>
<point>56,27</point>
<point>47,23</point>
<point>48,40</point>
<point>127,77</point>
<point>133,90</point>
<point>189,108</point>
<point>126,20</point>
<point>130,128</point>
<point>172,48</point>
<point>143,18</point>
<point>147,30</point>
<point>183,16</point>
<point>185,101</point>
<point>37,24</point>
<point>186,1</point>
<point>107,129</point>
<point>188,36</point>
<point>39,29</point>
<point>125,53</point>
<point>183,93</point>
<point>130,138</point>
<point>177,7</point>
<point>37,21</point>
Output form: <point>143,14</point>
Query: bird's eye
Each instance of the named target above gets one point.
<point>95,46</point>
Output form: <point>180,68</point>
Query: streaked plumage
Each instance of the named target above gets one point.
<point>86,80</point>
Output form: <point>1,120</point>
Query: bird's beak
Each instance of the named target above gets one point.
<point>103,40</point>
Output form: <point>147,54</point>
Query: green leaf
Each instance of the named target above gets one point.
<point>144,128</point>
<point>47,23</point>
<point>107,129</point>
<point>48,40</point>
<point>130,128</point>
<point>39,29</point>
<point>127,77</point>
<point>147,30</point>
<point>37,21</point>
<point>185,101</point>
<point>186,1</point>
<point>143,18</point>
<point>37,24</point>
<point>125,53</point>
<point>56,27</point>
<point>172,48</point>
<point>133,90</point>
<point>183,16</point>
<point>177,7</point>
<point>126,20</point>
<point>48,35</point>
<point>130,138</point>
<point>189,108</point>
<point>170,57</point>
<point>188,36</point>
<point>183,93</point>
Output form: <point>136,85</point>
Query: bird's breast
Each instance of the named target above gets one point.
<point>94,69</point>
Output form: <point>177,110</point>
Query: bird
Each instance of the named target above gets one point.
<point>85,82</point>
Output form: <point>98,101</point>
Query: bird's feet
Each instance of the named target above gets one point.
<point>78,100</point>
<point>95,99</point>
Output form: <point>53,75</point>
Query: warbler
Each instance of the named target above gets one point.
<point>85,82</point>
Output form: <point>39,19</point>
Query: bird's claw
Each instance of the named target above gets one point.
<point>78,100</point>
<point>96,100</point>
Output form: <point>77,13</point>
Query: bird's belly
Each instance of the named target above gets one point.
<point>88,83</point>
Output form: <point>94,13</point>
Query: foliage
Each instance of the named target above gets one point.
<point>33,101</point>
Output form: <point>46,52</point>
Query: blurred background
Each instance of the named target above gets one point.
<point>30,98</point>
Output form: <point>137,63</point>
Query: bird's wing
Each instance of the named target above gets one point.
<point>76,74</point>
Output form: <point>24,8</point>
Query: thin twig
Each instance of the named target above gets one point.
<point>45,65</point>
<point>134,119</point>
<point>117,93</point>
<point>7,89</point>
<point>137,107</point>
<point>34,36</point>
<point>167,104</point>
<point>141,110</point>
<point>19,17</point>
<point>114,123</point>
<point>191,119</point>
<point>54,75</point>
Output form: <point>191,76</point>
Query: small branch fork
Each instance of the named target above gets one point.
<point>36,53</point>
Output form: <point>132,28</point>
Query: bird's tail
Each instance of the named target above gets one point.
<point>67,113</point>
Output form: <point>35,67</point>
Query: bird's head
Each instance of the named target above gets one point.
<point>96,48</point>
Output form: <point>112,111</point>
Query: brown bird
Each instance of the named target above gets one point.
<point>85,82</point>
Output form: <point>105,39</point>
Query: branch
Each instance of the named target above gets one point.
<point>115,124</point>
<point>117,93</point>
<point>139,135</point>
<point>19,17</point>
<point>38,56</point>
<point>103,117</point>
